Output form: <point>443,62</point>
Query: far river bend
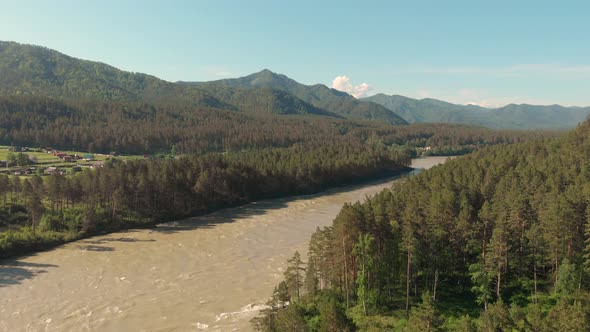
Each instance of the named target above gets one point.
<point>209,273</point>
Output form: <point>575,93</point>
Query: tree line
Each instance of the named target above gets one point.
<point>139,127</point>
<point>497,240</point>
<point>42,212</point>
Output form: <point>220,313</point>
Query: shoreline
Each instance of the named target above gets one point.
<point>351,185</point>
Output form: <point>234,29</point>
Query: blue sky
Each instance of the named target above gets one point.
<point>486,52</point>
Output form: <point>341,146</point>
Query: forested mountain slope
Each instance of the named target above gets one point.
<point>498,240</point>
<point>27,70</point>
<point>39,71</point>
<point>140,127</point>
<point>510,116</point>
<point>319,95</point>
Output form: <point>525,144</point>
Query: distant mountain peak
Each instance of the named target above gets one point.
<point>511,116</point>
<point>318,95</point>
<point>36,70</point>
<point>265,71</point>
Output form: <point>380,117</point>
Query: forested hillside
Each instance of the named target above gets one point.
<point>139,127</point>
<point>44,212</point>
<point>37,71</point>
<point>319,95</point>
<point>507,117</point>
<point>217,145</point>
<point>498,240</point>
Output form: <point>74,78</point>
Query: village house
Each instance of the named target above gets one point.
<point>29,171</point>
<point>54,170</point>
<point>97,164</point>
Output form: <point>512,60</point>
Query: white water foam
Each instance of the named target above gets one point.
<point>201,326</point>
<point>245,310</point>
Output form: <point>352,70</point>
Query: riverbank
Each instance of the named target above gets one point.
<point>214,270</point>
<point>26,240</point>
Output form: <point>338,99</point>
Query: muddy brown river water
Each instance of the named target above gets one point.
<point>209,273</point>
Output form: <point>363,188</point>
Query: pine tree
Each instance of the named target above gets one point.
<point>464,324</point>
<point>534,318</point>
<point>290,320</point>
<point>364,251</point>
<point>411,215</point>
<point>425,317</point>
<point>567,279</point>
<point>497,261</point>
<point>15,189</point>
<point>566,317</point>
<point>294,276</point>
<point>311,283</point>
<point>496,318</point>
<point>586,253</point>
<point>33,203</point>
<point>538,250</point>
<point>481,281</point>
<point>333,317</point>
<point>4,187</point>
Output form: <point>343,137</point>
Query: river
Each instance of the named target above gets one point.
<point>210,273</point>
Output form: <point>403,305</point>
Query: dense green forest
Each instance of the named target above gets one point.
<point>42,212</point>
<point>498,240</point>
<point>137,128</point>
<point>29,70</point>
<point>511,116</point>
<point>336,102</point>
<point>228,142</point>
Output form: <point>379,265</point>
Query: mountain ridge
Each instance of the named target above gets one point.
<point>318,95</point>
<point>511,116</point>
<point>40,71</point>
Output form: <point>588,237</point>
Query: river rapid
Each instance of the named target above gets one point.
<point>209,273</point>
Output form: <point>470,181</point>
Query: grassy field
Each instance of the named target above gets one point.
<point>45,159</point>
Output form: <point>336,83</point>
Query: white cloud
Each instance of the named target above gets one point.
<point>343,83</point>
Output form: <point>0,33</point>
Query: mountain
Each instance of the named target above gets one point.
<point>39,71</point>
<point>537,116</point>
<point>426,110</point>
<point>35,70</point>
<point>318,95</point>
<point>508,117</point>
